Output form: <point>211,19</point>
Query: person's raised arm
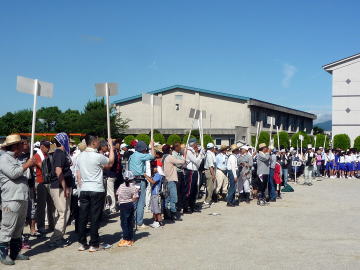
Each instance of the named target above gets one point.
<point>111,154</point>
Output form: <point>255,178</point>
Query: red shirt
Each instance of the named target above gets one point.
<point>39,177</point>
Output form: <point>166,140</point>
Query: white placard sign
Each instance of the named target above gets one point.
<point>101,89</point>
<point>26,85</point>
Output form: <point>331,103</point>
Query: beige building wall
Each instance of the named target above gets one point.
<point>173,113</point>
<point>346,99</point>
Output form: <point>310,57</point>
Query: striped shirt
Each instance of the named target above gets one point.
<point>127,194</point>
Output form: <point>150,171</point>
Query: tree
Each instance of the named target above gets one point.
<point>174,138</point>
<point>143,137</point>
<point>207,139</point>
<point>159,138</point>
<point>264,137</point>
<point>283,138</point>
<point>357,143</point>
<point>20,121</point>
<point>320,139</point>
<point>128,139</point>
<point>48,118</point>
<point>69,121</point>
<point>295,141</point>
<point>318,130</point>
<point>342,141</point>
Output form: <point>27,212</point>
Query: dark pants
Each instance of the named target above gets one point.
<point>190,188</point>
<point>262,185</point>
<point>91,205</point>
<point>127,219</point>
<point>180,191</point>
<point>271,187</point>
<point>230,198</point>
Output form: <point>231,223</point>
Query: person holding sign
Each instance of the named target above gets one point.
<point>263,170</point>
<point>309,159</point>
<point>14,197</point>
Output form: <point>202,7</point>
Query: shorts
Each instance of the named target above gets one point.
<point>342,167</point>
<point>329,166</point>
<point>155,205</point>
<point>349,167</point>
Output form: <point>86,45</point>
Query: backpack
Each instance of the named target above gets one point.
<point>48,170</point>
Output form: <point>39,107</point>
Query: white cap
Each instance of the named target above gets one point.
<point>37,145</point>
<point>309,146</point>
<point>128,175</point>
<point>210,145</point>
<point>282,151</point>
<point>245,147</point>
<point>123,145</point>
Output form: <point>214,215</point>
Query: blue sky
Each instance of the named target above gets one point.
<point>269,50</point>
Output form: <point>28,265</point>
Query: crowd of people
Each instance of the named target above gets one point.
<point>65,183</point>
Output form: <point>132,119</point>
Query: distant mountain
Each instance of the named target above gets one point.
<point>324,125</point>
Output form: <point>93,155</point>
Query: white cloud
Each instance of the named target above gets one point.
<point>322,117</point>
<point>288,73</point>
<point>153,65</point>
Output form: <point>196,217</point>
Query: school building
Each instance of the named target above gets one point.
<point>228,118</point>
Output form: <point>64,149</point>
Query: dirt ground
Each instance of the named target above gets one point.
<point>315,227</point>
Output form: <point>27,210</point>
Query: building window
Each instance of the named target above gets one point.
<point>177,107</point>
<point>232,141</point>
<point>218,141</point>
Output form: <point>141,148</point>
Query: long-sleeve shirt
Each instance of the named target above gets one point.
<point>127,194</point>
<point>137,163</point>
<point>232,164</point>
<point>263,163</point>
<point>170,167</point>
<point>13,183</point>
<point>193,159</point>
<point>272,161</point>
<point>180,157</point>
<point>209,160</point>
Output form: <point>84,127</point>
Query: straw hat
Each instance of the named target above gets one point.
<point>52,148</point>
<point>234,147</point>
<point>224,147</point>
<point>12,139</point>
<point>262,145</point>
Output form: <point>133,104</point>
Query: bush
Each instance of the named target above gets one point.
<point>174,138</point>
<point>143,137</point>
<point>295,139</point>
<point>159,138</point>
<point>207,139</point>
<point>357,143</point>
<point>283,138</point>
<point>186,136</point>
<point>128,139</point>
<point>320,139</point>
<point>264,137</point>
<point>342,141</point>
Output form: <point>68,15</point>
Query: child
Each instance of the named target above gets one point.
<point>277,176</point>
<point>127,194</point>
<point>155,196</point>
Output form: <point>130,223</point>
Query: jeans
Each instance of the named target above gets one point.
<point>91,206</point>
<point>179,187</point>
<point>230,198</point>
<point>271,185</point>
<point>171,199</point>
<point>141,203</point>
<point>285,176</point>
<point>127,211</point>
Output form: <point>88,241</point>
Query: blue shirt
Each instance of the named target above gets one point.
<point>221,161</point>
<point>156,187</point>
<point>137,163</point>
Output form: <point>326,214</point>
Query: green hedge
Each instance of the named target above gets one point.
<point>143,137</point>
<point>357,143</point>
<point>159,138</point>
<point>283,138</point>
<point>342,141</point>
<point>128,139</point>
<point>174,138</point>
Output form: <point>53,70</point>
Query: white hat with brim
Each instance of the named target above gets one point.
<point>11,140</point>
<point>234,147</point>
<point>245,147</point>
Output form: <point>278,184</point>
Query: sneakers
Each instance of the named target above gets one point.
<point>125,243</point>
<point>59,243</point>
<point>100,247</point>
<point>206,204</point>
<point>83,247</point>
<point>155,225</point>
<point>22,257</point>
<point>4,257</point>
<point>142,227</point>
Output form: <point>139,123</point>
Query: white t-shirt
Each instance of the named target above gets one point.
<point>91,163</point>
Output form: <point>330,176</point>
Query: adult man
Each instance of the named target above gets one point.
<point>92,190</point>
<point>170,164</point>
<point>309,159</point>
<point>60,189</point>
<point>194,157</point>
<point>271,183</point>
<point>176,152</point>
<point>284,162</point>
<point>43,197</point>
<point>14,196</point>
<point>245,163</point>
<point>210,173</point>
<point>222,180</point>
<point>137,165</point>
<point>232,168</point>
<point>263,169</point>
